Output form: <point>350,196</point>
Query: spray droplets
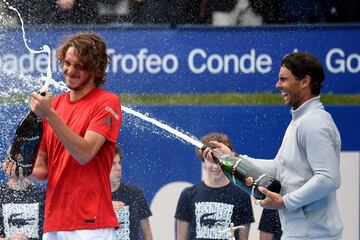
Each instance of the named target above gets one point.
<point>44,49</point>
<point>179,134</point>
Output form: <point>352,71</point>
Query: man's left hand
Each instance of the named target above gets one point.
<point>272,201</point>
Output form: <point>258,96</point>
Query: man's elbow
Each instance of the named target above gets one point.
<point>84,159</point>
<point>331,182</point>
<point>338,183</point>
<point>335,180</point>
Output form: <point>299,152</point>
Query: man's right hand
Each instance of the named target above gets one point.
<point>220,147</point>
<point>41,105</point>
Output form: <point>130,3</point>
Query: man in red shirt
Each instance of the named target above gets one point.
<point>78,144</point>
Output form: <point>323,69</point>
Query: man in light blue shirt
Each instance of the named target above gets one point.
<point>308,161</point>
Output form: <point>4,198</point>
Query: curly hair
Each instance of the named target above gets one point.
<point>91,51</point>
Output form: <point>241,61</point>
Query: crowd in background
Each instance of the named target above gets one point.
<point>170,12</point>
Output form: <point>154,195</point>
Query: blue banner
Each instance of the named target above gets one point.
<point>151,152</point>
<point>162,165</point>
<point>195,60</point>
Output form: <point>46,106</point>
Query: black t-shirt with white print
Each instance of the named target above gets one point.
<point>203,206</point>
<point>22,211</point>
<point>135,209</point>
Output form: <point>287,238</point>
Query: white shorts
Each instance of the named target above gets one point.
<point>94,234</point>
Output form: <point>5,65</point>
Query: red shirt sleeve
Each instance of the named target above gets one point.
<point>107,117</point>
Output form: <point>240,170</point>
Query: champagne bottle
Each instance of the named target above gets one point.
<point>24,148</point>
<point>245,175</point>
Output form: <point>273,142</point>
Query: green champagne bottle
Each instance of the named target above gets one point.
<point>246,175</point>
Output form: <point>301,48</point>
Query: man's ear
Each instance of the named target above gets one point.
<point>306,81</point>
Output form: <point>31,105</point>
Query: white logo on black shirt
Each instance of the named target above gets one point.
<point>207,214</point>
<point>123,216</point>
<point>21,218</point>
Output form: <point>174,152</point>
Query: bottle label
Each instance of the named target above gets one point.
<point>256,183</point>
<point>28,139</point>
<point>24,165</point>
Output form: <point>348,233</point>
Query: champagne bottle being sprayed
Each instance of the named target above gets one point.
<point>24,148</point>
<point>244,174</point>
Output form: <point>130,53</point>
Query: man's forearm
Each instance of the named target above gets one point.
<point>80,148</point>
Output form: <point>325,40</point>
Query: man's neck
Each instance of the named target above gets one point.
<point>306,96</point>
<point>77,94</point>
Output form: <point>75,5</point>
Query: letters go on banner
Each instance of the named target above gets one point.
<point>198,60</point>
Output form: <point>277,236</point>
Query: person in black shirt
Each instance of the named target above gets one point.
<point>129,204</point>
<point>21,209</point>
<point>207,208</point>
